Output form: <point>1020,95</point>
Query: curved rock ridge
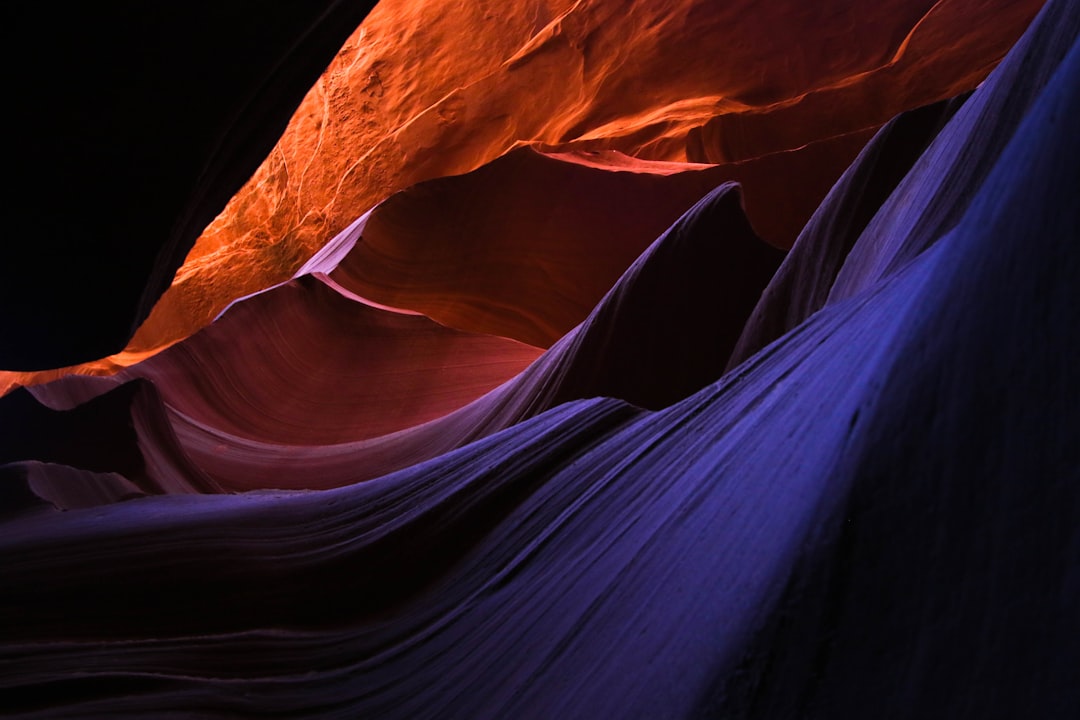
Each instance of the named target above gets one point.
<point>662,332</point>
<point>526,246</point>
<point>109,444</point>
<point>132,125</point>
<point>325,260</point>
<point>910,215</point>
<point>875,516</point>
<point>667,328</point>
<point>522,248</point>
<point>991,501</point>
<point>300,364</point>
<point>934,196</point>
<point>407,100</point>
<point>802,284</point>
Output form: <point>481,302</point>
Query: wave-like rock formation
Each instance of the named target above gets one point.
<point>426,89</point>
<point>328,369</point>
<point>874,515</point>
<point>641,345</point>
<point>113,443</point>
<point>802,284</point>
<point>342,390</point>
<point>530,260</point>
<point>896,219</point>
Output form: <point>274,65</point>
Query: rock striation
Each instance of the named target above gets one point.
<point>847,487</point>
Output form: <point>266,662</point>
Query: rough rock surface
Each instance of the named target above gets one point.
<point>876,514</point>
<point>426,89</point>
<point>131,126</point>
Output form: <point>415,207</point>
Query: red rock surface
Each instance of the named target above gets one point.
<point>300,364</point>
<point>343,392</point>
<point>525,246</point>
<point>874,515</point>
<point>407,100</point>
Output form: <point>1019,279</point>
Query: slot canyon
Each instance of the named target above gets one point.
<point>553,359</point>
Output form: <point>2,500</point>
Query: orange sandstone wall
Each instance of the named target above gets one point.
<point>429,88</point>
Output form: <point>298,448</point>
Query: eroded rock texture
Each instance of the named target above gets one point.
<point>844,483</point>
<point>131,126</point>
<point>345,392</point>
<point>782,94</point>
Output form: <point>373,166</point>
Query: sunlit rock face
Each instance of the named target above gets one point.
<point>429,88</point>
<point>565,435</point>
<point>410,99</point>
<point>130,126</point>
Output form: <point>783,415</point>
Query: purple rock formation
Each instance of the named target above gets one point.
<point>874,515</point>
